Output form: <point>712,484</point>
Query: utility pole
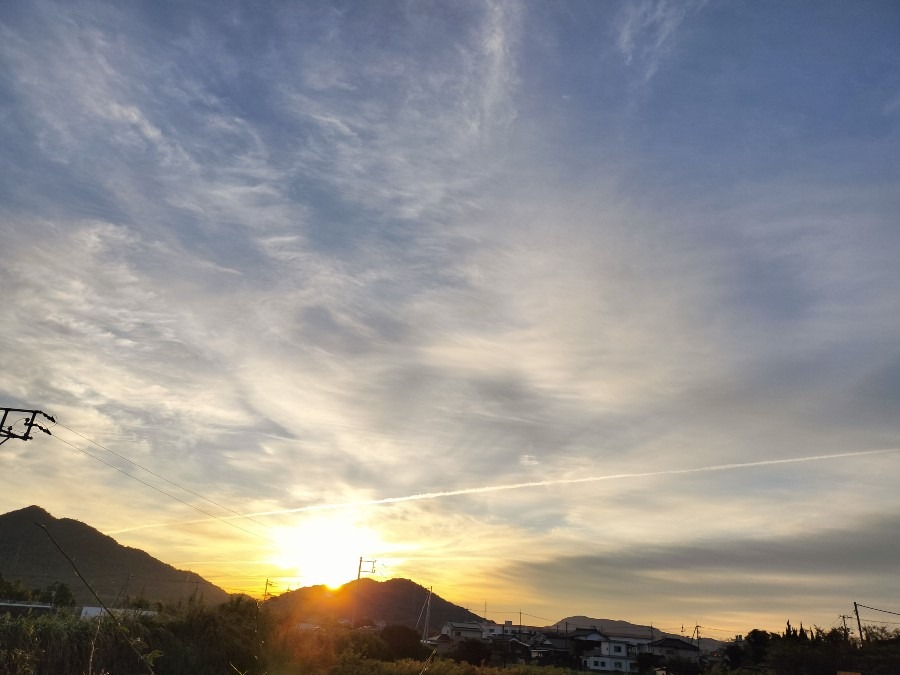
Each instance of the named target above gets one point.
<point>858,623</point>
<point>699,652</point>
<point>11,417</point>
<point>844,618</point>
<point>359,572</point>
<point>125,590</point>
<point>427,614</point>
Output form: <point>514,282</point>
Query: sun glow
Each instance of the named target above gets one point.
<point>324,549</point>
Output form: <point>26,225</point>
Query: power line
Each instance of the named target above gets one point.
<point>8,432</point>
<point>718,630</point>
<point>153,473</point>
<point>163,492</point>
<point>875,609</point>
<point>115,619</point>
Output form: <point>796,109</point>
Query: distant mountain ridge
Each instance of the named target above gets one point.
<point>401,601</point>
<point>621,628</point>
<point>609,626</point>
<point>113,571</point>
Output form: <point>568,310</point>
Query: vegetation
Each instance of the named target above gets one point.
<point>197,640</point>
<point>240,637</point>
<point>56,593</point>
<point>814,652</point>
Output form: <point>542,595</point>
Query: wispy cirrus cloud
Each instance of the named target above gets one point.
<point>646,30</point>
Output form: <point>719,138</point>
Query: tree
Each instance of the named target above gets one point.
<point>758,642</point>
<point>734,656</point>
<point>475,652</point>
<point>366,644</point>
<point>58,594</point>
<point>403,642</point>
<point>647,662</point>
<point>14,590</point>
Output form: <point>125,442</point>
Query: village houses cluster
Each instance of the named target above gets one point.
<point>591,648</point>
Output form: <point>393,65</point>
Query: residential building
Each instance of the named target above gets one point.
<point>674,649</point>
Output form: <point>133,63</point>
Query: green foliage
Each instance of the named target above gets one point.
<point>239,637</point>
<point>403,643</point>
<point>817,652</point>
<point>193,641</point>
<point>204,640</point>
<point>64,644</point>
<point>57,593</point>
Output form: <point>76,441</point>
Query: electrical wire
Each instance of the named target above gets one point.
<point>875,609</point>
<point>163,492</point>
<point>115,619</point>
<point>888,623</point>
<point>153,473</point>
<point>718,630</point>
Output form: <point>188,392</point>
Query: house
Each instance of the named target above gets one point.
<point>589,648</point>
<point>550,649</point>
<point>485,630</point>
<point>442,643</point>
<point>491,628</point>
<point>509,649</point>
<point>596,661</point>
<point>459,631</point>
<point>611,653</point>
<point>673,649</point>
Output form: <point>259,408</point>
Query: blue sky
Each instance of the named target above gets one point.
<point>290,255</point>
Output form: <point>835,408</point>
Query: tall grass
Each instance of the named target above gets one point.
<point>61,643</point>
<point>197,640</point>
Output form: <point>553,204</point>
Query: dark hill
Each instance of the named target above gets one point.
<point>114,571</point>
<point>610,627</point>
<point>626,628</point>
<point>395,601</point>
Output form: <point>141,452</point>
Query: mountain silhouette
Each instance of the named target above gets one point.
<point>621,628</point>
<point>115,572</point>
<point>394,602</point>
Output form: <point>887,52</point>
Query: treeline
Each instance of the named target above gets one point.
<point>814,651</point>
<point>56,593</point>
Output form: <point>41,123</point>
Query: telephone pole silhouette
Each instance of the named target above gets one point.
<point>359,573</point>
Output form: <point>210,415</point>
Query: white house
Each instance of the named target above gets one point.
<point>612,653</point>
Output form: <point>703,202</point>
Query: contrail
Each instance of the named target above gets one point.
<point>518,486</point>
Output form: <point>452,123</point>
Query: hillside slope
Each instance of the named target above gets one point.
<point>113,571</point>
<point>395,601</point>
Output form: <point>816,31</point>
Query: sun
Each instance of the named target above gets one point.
<point>323,549</point>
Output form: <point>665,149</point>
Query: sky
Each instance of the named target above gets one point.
<point>561,308</point>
